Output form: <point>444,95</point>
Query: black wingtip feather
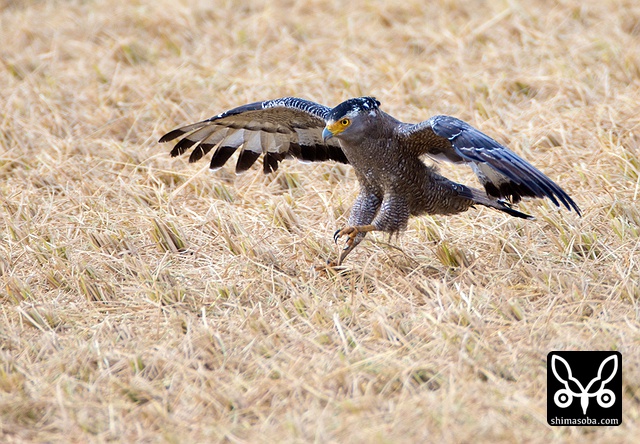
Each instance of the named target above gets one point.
<point>295,150</point>
<point>514,193</point>
<point>576,208</point>
<point>182,146</point>
<point>245,160</point>
<point>221,156</point>
<point>171,135</point>
<point>200,151</point>
<point>271,161</point>
<point>539,185</point>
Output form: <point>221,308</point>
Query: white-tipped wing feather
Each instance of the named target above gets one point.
<point>280,128</point>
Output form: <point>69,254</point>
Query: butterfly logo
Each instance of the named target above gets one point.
<point>574,388</point>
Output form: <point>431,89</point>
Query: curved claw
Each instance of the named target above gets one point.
<point>350,244</point>
<point>346,231</point>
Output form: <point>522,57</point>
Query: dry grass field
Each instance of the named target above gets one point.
<point>144,299</point>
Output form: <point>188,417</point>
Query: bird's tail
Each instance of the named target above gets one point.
<point>479,197</point>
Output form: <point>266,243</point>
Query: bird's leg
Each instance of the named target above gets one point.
<point>364,210</point>
<point>392,217</point>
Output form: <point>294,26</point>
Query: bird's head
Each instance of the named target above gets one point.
<point>349,119</point>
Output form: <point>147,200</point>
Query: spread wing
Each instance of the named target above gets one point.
<point>280,128</point>
<point>502,172</point>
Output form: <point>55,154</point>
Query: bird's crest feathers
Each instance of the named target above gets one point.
<point>354,106</point>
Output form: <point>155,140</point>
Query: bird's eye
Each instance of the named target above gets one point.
<point>345,122</point>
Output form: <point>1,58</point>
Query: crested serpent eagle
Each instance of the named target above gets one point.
<point>386,154</point>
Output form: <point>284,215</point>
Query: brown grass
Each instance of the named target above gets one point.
<point>144,299</point>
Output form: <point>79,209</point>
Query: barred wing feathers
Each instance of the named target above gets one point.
<point>502,172</point>
<point>280,128</point>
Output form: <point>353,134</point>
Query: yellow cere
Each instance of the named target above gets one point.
<point>339,125</point>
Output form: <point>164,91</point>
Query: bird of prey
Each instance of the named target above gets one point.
<point>386,154</point>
